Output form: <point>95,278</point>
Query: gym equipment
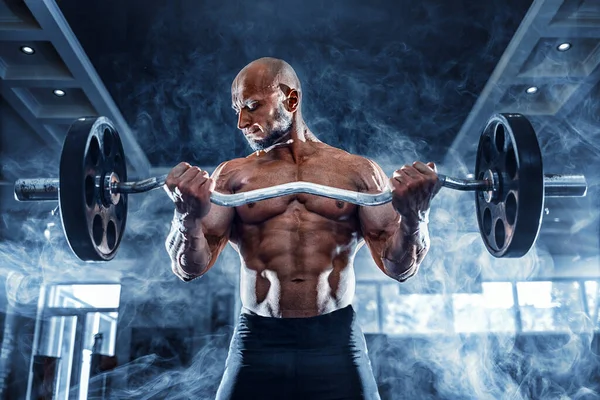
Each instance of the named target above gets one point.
<point>509,190</point>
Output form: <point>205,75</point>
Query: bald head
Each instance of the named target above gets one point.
<point>267,73</point>
<point>266,97</point>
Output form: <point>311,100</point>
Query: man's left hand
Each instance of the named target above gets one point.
<point>413,187</point>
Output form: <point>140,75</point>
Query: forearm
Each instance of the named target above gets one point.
<point>406,248</point>
<point>188,248</point>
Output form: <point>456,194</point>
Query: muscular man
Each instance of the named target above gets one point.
<point>297,335</point>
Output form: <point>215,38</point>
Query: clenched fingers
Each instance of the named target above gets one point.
<point>174,175</point>
<point>188,176</point>
<point>426,169</point>
<point>179,170</point>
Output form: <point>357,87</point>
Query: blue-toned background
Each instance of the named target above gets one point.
<point>396,81</point>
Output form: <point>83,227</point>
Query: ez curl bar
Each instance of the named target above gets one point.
<point>92,189</point>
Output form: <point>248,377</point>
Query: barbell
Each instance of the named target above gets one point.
<point>92,188</point>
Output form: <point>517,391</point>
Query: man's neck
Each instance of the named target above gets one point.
<point>297,143</point>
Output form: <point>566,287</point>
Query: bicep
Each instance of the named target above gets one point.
<point>216,225</point>
<point>378,224</point>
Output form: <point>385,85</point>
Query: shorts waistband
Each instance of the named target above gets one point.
<point>320,330</point>
<point>341,312</point>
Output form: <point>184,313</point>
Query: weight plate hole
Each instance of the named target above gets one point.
<point>510,207</point>
<point>486,149</point>
<point>487,222</point>
<point>108,142</point>
<point>97,230</point>
<point>89,190</point>
<point>499,138</point>
<point>94,151</point>
<point>511,163</point>
<point>111,235</point>
<point>500,233</point>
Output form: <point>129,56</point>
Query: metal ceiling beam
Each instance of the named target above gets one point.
<point>538,23</point>
<point>47,119</point>
<point>50,18</point>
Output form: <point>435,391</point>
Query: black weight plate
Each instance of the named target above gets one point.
<point>509,224</point>
<point>93,226</point>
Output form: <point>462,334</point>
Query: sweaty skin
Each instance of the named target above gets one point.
<point>296,251</point>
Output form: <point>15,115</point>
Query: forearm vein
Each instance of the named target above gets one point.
<point>405,249</point>
<point>188,248</point>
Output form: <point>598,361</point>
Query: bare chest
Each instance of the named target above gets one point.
<point>276,173</point>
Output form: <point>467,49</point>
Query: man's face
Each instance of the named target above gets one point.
<point>262,116</point>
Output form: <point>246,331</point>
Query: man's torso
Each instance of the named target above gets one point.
<point>297,250</point>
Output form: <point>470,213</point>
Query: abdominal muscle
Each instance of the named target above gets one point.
<point>296,267</point>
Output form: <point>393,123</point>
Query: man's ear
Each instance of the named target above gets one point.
<point>292,97</point>
<point>293,100</point>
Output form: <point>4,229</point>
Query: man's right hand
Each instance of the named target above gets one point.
<point>190,188</point>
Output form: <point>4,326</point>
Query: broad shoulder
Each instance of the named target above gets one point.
<point>225,172</point>
<point>368,174</point>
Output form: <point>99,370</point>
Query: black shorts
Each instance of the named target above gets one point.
<point>316,358</point>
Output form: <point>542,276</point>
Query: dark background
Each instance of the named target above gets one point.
<point>378,77</point>
<point>391,80</point>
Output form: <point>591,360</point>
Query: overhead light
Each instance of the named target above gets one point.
<point>59,93</point>
<point>564,46</point>
<point>532,90</point>
<point>27,50</point>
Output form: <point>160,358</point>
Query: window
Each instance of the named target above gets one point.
<point>561,305</point>
<point>412,313</point>
<point>549,306</point>
<point>84,296</point>
<point>76,320</point>
<point>490,311</point>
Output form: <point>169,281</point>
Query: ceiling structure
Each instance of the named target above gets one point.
<point>563,78</point>
<point>141,77</point>
<point>58,62</point>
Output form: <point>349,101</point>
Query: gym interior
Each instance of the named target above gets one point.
<point>395,81</point>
